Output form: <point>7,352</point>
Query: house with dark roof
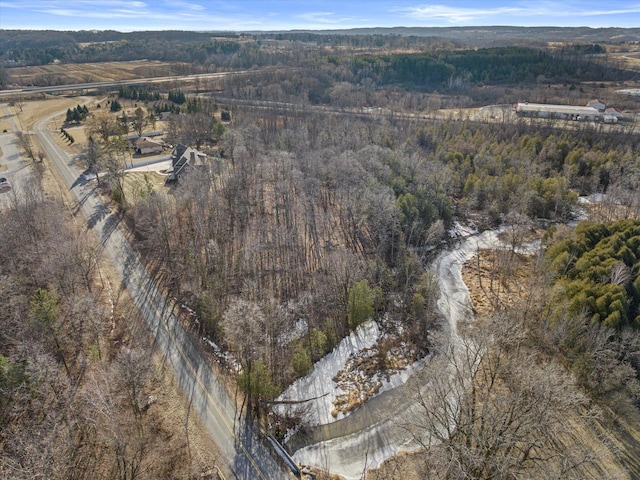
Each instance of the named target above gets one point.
<point>184,159</point>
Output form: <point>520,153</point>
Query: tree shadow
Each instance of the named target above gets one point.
<point>100,213</point>
<point>110,224</point>
<point>80,181</point>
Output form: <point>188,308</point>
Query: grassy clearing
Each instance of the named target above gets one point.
<point>34,110</point>
<point>139,184</point>
<point>89,72</point>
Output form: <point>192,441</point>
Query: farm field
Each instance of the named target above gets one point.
<point>60,73</point>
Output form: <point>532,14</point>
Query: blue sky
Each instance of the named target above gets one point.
<point>130,15</point>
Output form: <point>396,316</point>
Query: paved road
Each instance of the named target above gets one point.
<point>18,172</point>
<point>121,83</point>
<point>243,447</point>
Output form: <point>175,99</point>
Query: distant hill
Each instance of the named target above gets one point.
<point>42,47</point>
<point>502,34</point>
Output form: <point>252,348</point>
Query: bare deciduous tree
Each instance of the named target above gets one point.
<point>500,411</point>
<point>24,140</point>
<point>102,126</point>
<point>92,157</point>
<point>139,121</point>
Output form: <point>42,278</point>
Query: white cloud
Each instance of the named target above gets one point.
<point>547,10</point>
<point>183,5</point>
<point>462,14</point>
<point>326,19</point>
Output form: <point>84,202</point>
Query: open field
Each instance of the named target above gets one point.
<point>55,74</point>
<point>497,279</point>
<point>34,110</point>
<point>139,184</point>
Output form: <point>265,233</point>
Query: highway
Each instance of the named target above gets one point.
<point>245,451</point>
<point>119,83</point>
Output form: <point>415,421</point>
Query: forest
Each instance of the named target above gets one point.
<point>383,192</point>
<point>597,267</point>
<point>433,62</point>
<point>494,66</point>
<point>311,218</point>
<point>77,373</point>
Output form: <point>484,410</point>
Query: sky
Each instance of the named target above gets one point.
<point>249,15</point>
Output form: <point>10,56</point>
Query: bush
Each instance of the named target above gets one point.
<point>361,303</point>
<point>300,362</point>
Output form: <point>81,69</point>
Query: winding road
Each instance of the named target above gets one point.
<point>244,449</point>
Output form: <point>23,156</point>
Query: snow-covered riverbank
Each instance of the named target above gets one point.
<point>318,387</point>
<point>318,391</point>
<point>376,433</point>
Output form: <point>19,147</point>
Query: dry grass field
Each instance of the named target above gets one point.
<point>33,110</point>
<point>87,72</point>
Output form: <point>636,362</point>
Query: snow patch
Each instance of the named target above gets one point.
<point>226,356</point>
<point>461,231</point>
<point>299,330</point>
<point>318,387</point>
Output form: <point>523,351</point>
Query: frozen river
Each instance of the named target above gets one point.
<point>373,433</point>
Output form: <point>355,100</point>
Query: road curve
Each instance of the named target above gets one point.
<point>243,447</point>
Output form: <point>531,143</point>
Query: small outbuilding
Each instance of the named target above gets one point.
<point>613,112</point>
<point>611,115</point>
<point>147,146</point>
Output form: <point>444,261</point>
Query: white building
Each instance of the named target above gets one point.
<point>561,112</point>
<point>611,115</point>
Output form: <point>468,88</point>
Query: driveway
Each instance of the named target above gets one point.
<point>18,172</point>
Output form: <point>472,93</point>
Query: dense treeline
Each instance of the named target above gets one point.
<point>599,270</point>
<point>24,47</point>
<point>144,94</point>
<point>225,49</point>
<point>372,40</point>
<point>333,82</point>
<point>507,65</point>
<point>439,64</point>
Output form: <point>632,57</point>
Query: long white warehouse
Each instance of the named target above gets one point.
<point>563,112</point>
